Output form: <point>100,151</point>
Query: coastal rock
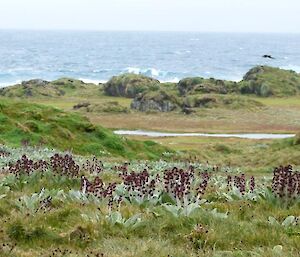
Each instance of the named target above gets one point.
<point>42,88</point>
<point>200,85</point>
<point>129,85</point>
<point>220,101</point>
<point>269,81</point>
<point>155,101</point>
<point>35,82</point>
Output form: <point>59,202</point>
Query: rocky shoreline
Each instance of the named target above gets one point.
<point>188,95</point>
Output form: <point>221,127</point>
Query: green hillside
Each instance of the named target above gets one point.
<point>37,124</point>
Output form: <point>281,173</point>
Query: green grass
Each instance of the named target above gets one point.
<point>37,124</point>
<point>245,232</point>
<point>254,156</point>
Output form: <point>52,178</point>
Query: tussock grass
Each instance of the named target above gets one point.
<point>41,125</point>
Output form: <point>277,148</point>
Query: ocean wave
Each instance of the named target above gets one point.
<point>92,81</point>
<point>162,76</point>
<point>291,67</point>
<point>182,52</point>
<point>151,72</point>
<point>171,80</point>
<point>11,83</point>
<point>101,71</point>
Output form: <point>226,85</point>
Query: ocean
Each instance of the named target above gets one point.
<point>167,56</point>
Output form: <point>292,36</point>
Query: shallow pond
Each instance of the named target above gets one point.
<point>166,134</point>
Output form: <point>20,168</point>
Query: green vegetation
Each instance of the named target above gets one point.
<point>221,101</point>
<point>262,81</point>
<point>129,85</point>
<point>222,213</point>
<point>160,101</point>
<point>37,124</point>
<point>196,92</point>
<point>268,81</point>
<point>198,85</point>
<point>254,156</point>
<point>107,107</point>
<point>212,197</point>
<point>297,139</point>
<point>64,87</point>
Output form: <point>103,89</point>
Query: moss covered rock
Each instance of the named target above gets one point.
<point>159,101</point>
<point>200,85</point>
<point>268,81</point>
<point>221,101</point>
<point>130,85</point>
<point>106,107</point>
<point>41,88</point>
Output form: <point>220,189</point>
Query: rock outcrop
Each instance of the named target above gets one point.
<point>35,82</point>
<point>129,85</point>
<point>155,102</point>
<point>56,88</point>
<point>200,85</point>
<point>268,81</point>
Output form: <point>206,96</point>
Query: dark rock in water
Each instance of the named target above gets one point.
<point>155,101</point>
<point>130,85</point>
<point>35,82</point>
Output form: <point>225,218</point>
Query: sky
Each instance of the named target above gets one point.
<point>272,16</point>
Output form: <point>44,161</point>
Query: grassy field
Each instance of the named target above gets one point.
<point>279,115</point>
<point>192,199</point>
<point>46,210</point>
<point>255,156</point>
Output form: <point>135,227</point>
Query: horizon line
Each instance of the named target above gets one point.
<point>147,31</point>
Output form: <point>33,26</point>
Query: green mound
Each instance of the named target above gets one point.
<point>156,101</point>
<point>262,81</point>
<point>36,124</point>
<point>198,85</point>
<point>129,85</point>
<point>268,81</point>
<point>57,88</point>
<point>221,101</point>
<point>165,101</point>
<point>107,107</point>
